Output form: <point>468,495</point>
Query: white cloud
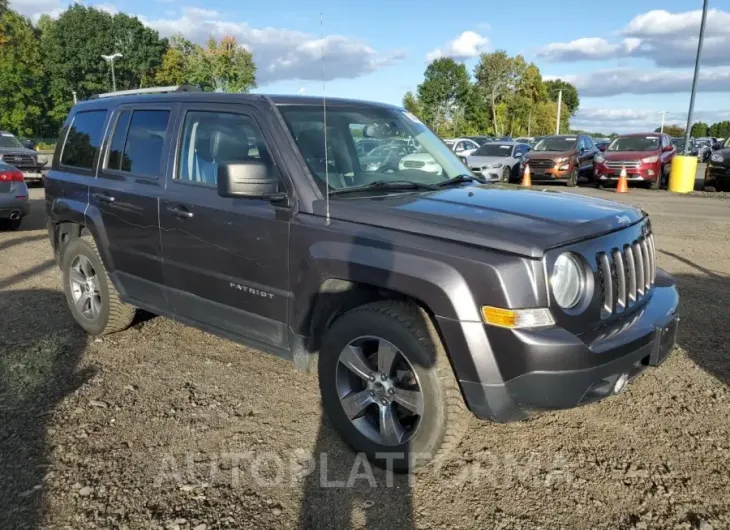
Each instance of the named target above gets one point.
<point>667,39</point>
<point>280,53</point>
<point>608,120</point>
<point>35,8</point>
<point>467,45</point>
<point>611,82</point>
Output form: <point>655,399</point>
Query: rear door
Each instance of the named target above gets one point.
<point>226,260</point>
<point>126,193</point>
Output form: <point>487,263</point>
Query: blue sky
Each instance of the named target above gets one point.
<point>630,59</point>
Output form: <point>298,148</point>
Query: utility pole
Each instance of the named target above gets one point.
<point>74,94</point>
<point>560,106</point>
<point>529,123</point>
<point>663,113</point>
<point>110,59</point>
<point>694,80</point>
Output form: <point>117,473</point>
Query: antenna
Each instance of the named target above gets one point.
<point>324,114</point>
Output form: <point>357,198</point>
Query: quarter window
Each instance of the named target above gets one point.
<point>214,138</point>
<point>83,139</point>
<point>138,141</point>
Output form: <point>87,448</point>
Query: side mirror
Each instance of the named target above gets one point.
<point>602,147</point>
<point>251,179</point>
<point>668,147</point>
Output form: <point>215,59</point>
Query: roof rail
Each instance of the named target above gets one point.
<point>142,91</point>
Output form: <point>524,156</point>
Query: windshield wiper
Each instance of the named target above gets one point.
<point>386,185</point>
<point>459,179</point>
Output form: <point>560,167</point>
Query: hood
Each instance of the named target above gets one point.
<point>418,157</point>
<point>725,154</point>
<point>524,222</point>
<point>17,151</point>
<point>629,155</point>
<point>479,161</point>
<point>548,155</point>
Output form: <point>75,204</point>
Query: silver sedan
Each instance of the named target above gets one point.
<point>497,161</point>
<point>14,202</point>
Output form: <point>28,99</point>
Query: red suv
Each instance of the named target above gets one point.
<point>647,158</point>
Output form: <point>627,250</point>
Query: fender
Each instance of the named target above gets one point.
<point>436,285</point>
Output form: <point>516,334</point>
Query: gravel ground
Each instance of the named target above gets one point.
<point>163,426</point>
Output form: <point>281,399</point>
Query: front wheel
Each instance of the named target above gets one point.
<point>573,178</point>
<point>388,388</point>
<point>506,175</point>
<point>91,296</point>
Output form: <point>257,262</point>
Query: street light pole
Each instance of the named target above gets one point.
<point>110,59</point>
<point>560,106</point>
<point>694,80</point>
<point>663,113</point>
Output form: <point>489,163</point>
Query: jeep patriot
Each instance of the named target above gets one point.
<point>417,294</point>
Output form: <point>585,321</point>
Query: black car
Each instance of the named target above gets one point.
<point>417,295</point>
<point>717,174</point>
<point>481,140</point>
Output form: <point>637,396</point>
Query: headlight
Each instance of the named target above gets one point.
<point>650,160</point>
<point>567,281</point>
<point>1,156</point>
<point>42,160</point>
<point>372,166</point>
<point>717,157</point>
<point>524,160</point>
<point>494,166</point>
<point>561,159</point>
<point>599,159</point>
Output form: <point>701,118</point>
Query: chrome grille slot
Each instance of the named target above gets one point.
<point>618,164</point>
<point>639,261</point>
<point>625,275</point>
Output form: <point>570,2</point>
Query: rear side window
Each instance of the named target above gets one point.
<point>83,139</point>
<point>138,142</point>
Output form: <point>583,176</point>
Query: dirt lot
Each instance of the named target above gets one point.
<point>163,426</point>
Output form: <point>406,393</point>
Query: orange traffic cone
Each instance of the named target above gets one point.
<point>623,183</point>
<point>526,180</point>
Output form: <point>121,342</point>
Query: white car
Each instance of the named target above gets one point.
<point>420,161</point>
<point>463,147</point>
<point>497,161</point>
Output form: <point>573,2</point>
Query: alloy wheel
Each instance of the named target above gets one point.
<point>85,287</point>
<point>379,390</point>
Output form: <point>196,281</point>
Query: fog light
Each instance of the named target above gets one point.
<point>650,172</point>
<point>620,384</point>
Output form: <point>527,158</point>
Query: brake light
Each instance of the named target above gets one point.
<point>11,175</point>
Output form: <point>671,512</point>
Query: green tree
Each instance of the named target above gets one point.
<point>72,49</point>
<point>721,129</point>
<point>493,74</point>
<point>412,105</point>
<point>21,75</point>
<point>699,129</point>
<point>232,66</point>
<point>671,130</point>
<point>444,92</point>
<point>570,94</point>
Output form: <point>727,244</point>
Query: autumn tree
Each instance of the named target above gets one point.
<point>671,130</point>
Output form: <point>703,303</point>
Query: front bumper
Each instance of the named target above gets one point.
<point>554,369</point>
<point>717,174</point>
<point>642,173</point>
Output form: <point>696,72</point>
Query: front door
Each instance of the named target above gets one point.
<point>126,193</point>
<point>226,260</point>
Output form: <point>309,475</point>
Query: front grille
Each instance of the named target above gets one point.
<point>541,164</point>
<point>718,172</point>
<point>626,275</point>
<point>476,170</point>
<point>19,160</point>
<point>619,164</point>
<point>411,164</point>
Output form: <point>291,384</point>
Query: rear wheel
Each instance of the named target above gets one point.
<point>388,388</point>
<point>91,297</point>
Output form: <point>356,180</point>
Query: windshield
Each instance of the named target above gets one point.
<point>635,143</point>
<point>413,153</point>
<point>494,149</point>
<point>8,140</point>
<point>556,143</point>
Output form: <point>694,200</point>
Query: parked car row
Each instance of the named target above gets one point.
<point>29,162</point>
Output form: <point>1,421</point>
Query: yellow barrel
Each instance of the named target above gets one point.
<point>682,176</point>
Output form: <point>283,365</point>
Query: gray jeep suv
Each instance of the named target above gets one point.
<point>28,161</point>
<point>416,294</point>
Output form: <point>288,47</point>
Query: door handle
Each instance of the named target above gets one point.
<point>179,212</point>
<point>103,197</point>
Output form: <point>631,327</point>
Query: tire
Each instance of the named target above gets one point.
<point>572,181</point>
<point>14,224</point>
<point>506,175</point>
<point>409,329</point>
<point>113,314</point>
